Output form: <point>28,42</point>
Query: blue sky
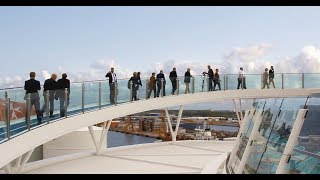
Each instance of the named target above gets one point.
<point>74,39</point>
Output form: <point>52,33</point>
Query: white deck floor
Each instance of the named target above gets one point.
<point>181,157</point>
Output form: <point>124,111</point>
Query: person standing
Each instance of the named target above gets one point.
<point>32,87</point>
<point>152,86</point>
<point>216,80</point>
<point>160,78</point>
<point>49,85</point>
<point>173,78</point>
<point>139,84</point>
<point>62,84</point>
<point>135,83</point>
<point>210,73</point>
<point>112,83</point>
<point>271,76</point>
<point>241,79</point>
<point>187,77</point>
<point>265,79</point>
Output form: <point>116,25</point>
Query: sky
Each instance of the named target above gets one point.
<point>85,42</point>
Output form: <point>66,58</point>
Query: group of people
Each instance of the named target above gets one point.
<point>155,84</point>
<point>56,91</point>
<point>268,75</point>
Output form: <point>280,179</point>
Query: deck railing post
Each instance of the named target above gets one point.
<point>282,78</point>
<point>131,93</point>
<point>47,105</point>
<point>193,84</point>
<point>99,95</point>
<point>162,85</point>
<point>28,111</point>
<point>65,102</point>
<point>147,88</point>
<point>82,92</point>
<point>116,92</point>
<point>302,80</point>
<point>207,78</point>
<point>7,115</point>
<point>226,82</point>
<point>178,87</point>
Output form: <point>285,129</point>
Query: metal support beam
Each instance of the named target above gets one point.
<point>237,112</point>
<point>175,132</point>
<point>99,95</point>
<point>245,156</point>
<point>103,136</point>
<point>291,141</point>
<point>244,124</point>
<point>9,169</point>
<point>241,114</point>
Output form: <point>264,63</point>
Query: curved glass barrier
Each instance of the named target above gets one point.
<point>86,96</point>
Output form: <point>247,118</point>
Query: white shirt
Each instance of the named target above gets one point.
<point>240,74</point>
<point>114,77</point>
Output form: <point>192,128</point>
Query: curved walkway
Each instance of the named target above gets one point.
<point>19,145</point>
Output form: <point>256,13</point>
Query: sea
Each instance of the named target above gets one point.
<point>116,139</point>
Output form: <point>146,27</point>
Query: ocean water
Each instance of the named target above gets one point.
<point>116,139</point>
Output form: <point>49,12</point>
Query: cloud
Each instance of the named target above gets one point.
<point>252,58</point>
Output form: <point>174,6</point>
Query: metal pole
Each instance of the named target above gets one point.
<point>82,92</point>
<point>99,95</point>
<point>65,101</point>
<point>28,111</point>
<point>261,81</point>
<point>193,84</point>
<point>7,116</point>
<point>177,86</point>
<point>47,105</point>
<point>302,80</point>
<point>226,82</point>
<point>282,80</point>
<point>207,77</point>
<point>147,88</point>
<point>161,87</point>
<point>116,93</point>
<point>131,88</point>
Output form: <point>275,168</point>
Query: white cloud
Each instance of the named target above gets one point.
<point>251,58</point>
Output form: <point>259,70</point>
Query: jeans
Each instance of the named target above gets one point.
<point>51,102</point>
<point>240,83</point>
<point>112,92</point>
<point>210,84</point>
<point>215,83</point>
<point>163,90</point>
<point>34,101</point>
<point>150,91</point>
<point>187,88</point>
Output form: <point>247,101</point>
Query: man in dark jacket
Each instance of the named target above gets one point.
<point>152,86</point>
<point>135,85</point>
<point>60,93</point>
<point>112,83</point>
<point>32,87</point>
<point>211,76</point>
<point>50,85</point>
<point>160,78</point>
<point>173,78</point>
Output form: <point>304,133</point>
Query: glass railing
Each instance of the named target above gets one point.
<point>93,95</point>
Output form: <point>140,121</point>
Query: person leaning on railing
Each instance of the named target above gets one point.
<point>241,79</point>
<point>152,86</point>
<point>160,77</point>
<point>49,85</point>
<point>32,87</point>
<point>60,93</point>
<point>112,83</point>
<point>187,77</point>
<point>271,76</point>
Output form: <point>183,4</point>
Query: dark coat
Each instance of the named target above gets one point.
<point>109,75</point>
<point>63,83</point>
<point>173,76</point>
<point>159,76</point>
<point>31,86</point>
<point>187,77</point>
<point>50,84</point>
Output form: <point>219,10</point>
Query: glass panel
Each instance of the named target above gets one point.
<point>231,81</point>
<point>279,134</point>
<point>258,105</point>
<point>3,124</point>
<point>141,92</point>
<point>18,111</point>
<point>271,110</point>
<point>91,95</point>
<point>306,156</point>
<point>292,81</point>
<point>105,93</point>
<point>311,80</point>
<point>277,81</point>
<point>199,84</point>
<point>75,102</point>
<point>253,81</point>
<point>123,91</point>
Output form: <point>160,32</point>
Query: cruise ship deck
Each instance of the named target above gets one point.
<point>181,157</point>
